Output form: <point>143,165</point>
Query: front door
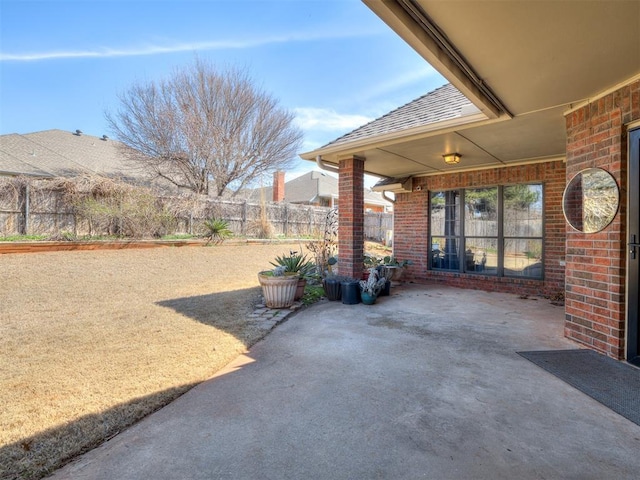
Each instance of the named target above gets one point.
<point>633,250</point>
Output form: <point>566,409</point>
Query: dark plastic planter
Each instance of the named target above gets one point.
<point>332,288</point>
<point>350,292</point>
<point>386,290</point>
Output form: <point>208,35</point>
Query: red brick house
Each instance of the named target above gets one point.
<point>540,94</point>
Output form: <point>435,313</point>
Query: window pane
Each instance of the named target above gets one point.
<point>523,211</point>
<point>481,212</point>
<point>523,258</point>
<point>481,255</point>
<point>444,213</point>
<point>444,253</point>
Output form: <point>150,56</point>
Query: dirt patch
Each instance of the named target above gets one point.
<point>92,341</point>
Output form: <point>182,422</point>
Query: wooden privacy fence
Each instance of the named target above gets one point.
<point>42,207</point>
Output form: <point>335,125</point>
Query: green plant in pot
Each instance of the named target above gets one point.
<point>278,287</point>
<point>299,264</point>
<point>371,287</point>
<point>391,268</point>
<point>369,262</point>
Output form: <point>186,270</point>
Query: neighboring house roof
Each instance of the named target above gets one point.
<point>58,153</point>
<point>308,188</point>
<point>444,103</point>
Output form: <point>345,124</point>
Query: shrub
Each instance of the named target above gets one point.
<point>217,230</point>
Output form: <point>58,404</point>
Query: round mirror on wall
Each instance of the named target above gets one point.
<point>591,199</point>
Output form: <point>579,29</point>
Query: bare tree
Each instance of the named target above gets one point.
<point>204,127</point>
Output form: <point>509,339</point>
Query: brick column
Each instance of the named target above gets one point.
<point>278,186</point>
<point>351,217</point>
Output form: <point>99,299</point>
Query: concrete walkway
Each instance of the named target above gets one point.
<point>423,384</point>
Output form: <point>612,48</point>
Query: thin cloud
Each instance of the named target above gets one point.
<point>147,50</point>
<point>327,120</point>
<point>399,82</point>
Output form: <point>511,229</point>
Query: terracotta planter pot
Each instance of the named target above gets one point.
<point>278,292</point>
<point>302,283</point>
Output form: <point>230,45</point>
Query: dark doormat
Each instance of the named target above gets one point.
<point>614,384</point>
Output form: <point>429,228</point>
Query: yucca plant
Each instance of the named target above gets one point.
<point>217,230</point>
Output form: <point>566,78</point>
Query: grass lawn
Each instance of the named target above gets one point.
<point>92,341</point>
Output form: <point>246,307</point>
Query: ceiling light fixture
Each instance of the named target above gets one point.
<point>451,158</point>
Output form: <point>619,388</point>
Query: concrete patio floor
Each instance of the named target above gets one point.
<point>426,383</point>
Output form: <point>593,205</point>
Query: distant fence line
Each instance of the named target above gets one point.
<point>35,207</point>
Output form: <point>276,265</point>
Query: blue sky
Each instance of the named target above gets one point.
<point>333,63</point>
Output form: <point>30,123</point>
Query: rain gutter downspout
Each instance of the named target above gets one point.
<point>334,169</point>
<point>388,199</point>
<point>324,166</point>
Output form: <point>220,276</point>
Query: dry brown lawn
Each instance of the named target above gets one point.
<point>92,341</point>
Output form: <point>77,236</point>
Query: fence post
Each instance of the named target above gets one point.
<point>285,227</point>
<point>243,218</point>
<point>25,209</point>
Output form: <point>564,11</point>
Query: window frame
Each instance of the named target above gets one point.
<point>501,239</point>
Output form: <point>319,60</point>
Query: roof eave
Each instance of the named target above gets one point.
<point>414,31</point>
<point>333,152</point>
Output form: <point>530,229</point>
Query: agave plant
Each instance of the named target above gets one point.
<point>217,230</point>
<point>295,263</point>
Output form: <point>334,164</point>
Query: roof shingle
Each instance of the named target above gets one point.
<point>443,103</point>
<point>52,153</point>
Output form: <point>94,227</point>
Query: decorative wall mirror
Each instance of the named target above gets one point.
<point>591,199</point>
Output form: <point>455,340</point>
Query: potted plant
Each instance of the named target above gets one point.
<point>391,267</point>
<point>296,263</point>
<point>370,261</point>
<point>370,288</point>
<point>278,287</point>
<point>332,283</point>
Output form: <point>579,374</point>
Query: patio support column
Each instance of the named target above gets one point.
<point>351,216</point>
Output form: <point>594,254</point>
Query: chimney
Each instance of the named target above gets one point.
<point>278,186</point>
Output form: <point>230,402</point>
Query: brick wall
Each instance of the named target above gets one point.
<point>411,226</point>
<point>596,262</point>
<point>351,217</point>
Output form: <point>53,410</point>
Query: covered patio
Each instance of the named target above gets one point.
<point>424,384</point>
<point>539,93</point>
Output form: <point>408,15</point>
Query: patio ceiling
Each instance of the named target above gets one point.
<point>523,64</point>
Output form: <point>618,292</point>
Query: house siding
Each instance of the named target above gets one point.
<point>596,262</point>
<point>411,226</point>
